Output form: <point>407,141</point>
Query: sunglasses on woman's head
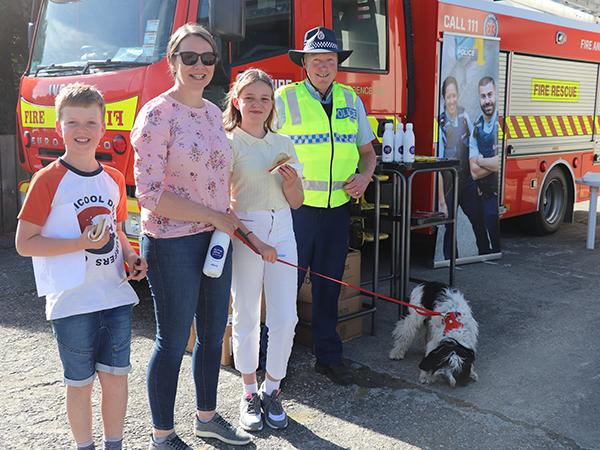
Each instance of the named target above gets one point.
<point>191,58</point>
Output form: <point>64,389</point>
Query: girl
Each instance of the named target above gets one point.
<point>262,201</point>
<point>182,172</point>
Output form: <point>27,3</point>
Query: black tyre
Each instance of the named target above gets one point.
<point>553,205</point>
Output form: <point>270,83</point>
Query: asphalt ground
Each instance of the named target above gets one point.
<point>539,373</point>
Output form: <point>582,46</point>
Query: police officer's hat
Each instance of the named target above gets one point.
<point>319,40</point>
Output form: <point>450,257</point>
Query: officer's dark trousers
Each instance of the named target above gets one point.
<point>490,219</point>
<point>471,204</point>
<point>322,238</point>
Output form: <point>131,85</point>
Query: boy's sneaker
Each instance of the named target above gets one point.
<point>275,416</point>
<point>173,442</point>
<point>250,412</point>
<point>222,430</point>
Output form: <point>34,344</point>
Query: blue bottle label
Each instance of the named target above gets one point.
<point>412,150</point>
<point>217,252</point>
<point>387,149</point>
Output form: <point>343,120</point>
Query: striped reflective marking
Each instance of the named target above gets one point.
<point>322,186</point>
<point>588,124</point>
<point>525,127</point>
<point>292,100</point>
<point>436,129</point>
<point>348,98</point>
<point>319,138</point>
<point>545,125</point>
<point>557,126</point>
<point>374,122</point>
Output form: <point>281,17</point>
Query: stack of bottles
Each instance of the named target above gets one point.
<point>398,147</point>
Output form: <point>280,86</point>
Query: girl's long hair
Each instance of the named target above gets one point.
<point>232,116</point>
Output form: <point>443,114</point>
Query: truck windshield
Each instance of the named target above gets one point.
<point>76,35</point>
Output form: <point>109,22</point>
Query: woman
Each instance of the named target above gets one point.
<point>182,171</point>
<point>262,201</point>
<point>455,133</point>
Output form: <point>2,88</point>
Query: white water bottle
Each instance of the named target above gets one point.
<point>217,252</point>
<point>399,143</point>
<point>387,146</point>
<point>409,144</point>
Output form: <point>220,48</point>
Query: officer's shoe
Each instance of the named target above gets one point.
<point>336,372</point>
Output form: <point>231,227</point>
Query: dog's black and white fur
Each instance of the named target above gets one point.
<point>449,355</point>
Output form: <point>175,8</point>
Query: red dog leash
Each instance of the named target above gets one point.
<point>451,320</point>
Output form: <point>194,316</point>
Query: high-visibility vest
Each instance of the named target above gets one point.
<point>328,162</point>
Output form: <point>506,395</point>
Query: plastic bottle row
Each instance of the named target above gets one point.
<point>399,146</point>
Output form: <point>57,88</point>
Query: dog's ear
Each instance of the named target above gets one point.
<point>433,360</point>
<point>430,362</point>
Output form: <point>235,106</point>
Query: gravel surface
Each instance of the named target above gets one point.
<point>538,385</point>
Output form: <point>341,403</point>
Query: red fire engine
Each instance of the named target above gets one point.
<point>548,105</point>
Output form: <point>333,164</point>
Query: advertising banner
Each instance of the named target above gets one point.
<point>468,131</point>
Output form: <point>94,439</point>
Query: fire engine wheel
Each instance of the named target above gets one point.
<point>553,204</point>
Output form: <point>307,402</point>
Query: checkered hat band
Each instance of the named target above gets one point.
<point>323,44</point>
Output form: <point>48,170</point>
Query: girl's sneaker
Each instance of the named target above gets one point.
<point>275,416</point>
<point>250,412</point>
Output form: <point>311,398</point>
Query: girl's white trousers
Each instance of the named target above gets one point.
<point>250,276</point>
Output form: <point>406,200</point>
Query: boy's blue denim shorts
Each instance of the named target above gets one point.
<point>97,341</point>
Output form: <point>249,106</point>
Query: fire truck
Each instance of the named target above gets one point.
<point>548,87</point>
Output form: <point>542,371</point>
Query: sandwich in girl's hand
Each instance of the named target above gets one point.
<point>280,160</point>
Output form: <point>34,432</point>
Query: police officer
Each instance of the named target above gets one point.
<point>484,161</point>
<point>328,124</point>
<point>455,132</point>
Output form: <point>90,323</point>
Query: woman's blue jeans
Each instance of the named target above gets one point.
<point>181,292</point>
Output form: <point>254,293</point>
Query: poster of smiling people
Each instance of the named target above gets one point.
<point>468,131</point>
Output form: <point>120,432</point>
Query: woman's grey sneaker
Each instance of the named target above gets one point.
<point>250,412</point>
<point>222,430</point>
<point>173,442</point>
<point>272,408</point>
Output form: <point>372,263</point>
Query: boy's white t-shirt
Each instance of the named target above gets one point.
<point>92,194</point>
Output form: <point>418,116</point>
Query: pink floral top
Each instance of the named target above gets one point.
<point>183,150</point>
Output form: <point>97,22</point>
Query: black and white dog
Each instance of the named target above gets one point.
<point>450,340</point>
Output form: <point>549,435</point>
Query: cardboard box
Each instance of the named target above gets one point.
<point>348,330</point>
<point>345,306</point>
<point>351,276</point>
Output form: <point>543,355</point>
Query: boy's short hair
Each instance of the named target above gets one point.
<point>79,94</point>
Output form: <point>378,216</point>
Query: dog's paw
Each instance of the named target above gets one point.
<point>396,354</point>
<point>425,377</point>
<point>474,375</point>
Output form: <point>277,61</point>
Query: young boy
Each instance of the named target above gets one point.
<point>91,319</point>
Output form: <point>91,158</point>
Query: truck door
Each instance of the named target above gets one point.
<point>364,27</point>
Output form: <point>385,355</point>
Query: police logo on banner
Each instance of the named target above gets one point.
<point>345,113</point>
